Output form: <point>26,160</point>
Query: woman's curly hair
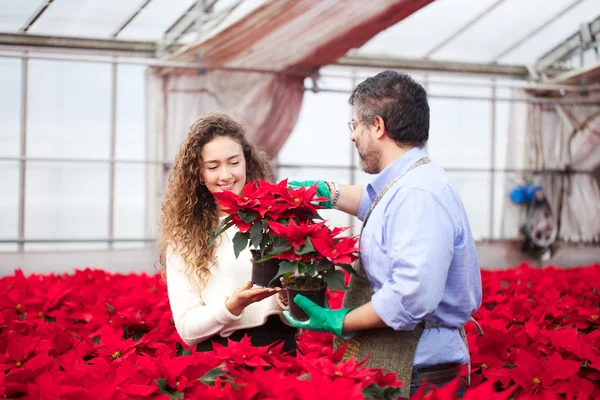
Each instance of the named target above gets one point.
<point>188,212</point>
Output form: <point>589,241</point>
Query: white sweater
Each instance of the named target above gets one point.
<point>201,313</point>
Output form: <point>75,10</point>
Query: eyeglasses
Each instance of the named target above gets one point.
<point>352,125</point>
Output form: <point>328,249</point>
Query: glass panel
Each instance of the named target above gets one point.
<point>15,13</point>
<point>474,191</point>
<point>459,134</point>
<point>321,127</point>
<point>66,201</point>
<point>154,20</point>
<point>130,201</point>
<point>10,107</point>
<point>553,34</point>
<point>4,248</point>
<point>489,36</point>
<point>500,196</point>
<point>502,126</point>
<point>9,199</point>
<point>66,246</point>
<point>84,18</point>
<point>68,109</point>
<point>131,112</point>
<point>416,35</point>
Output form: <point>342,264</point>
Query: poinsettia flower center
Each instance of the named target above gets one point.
<point>245,198</point>
<point>40,314</point>
<point>484,366</point>
<point>536,380</point>
<point>18,306</point>
<point>338,373</point>
<point>296,200</point>
<point>18,364</point>
<point>177,383</point>
<point>594,317</point>
<point>110,321</point>
<point>116,355</point>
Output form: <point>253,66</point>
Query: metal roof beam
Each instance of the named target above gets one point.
<point>35,16</point>
<point>130,18</point>
<point>58,42</point>
<point>185,23</point>
<point>462,29</point>
<point>499,70</point>
<point>579,41</point>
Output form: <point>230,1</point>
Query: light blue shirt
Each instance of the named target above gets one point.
<point>419,255</point>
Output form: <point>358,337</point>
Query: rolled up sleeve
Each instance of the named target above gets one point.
<point>419,244</point>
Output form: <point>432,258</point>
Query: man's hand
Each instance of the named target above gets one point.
<point>322,190</point>
<point>245,295</point>
<point>319,319</point>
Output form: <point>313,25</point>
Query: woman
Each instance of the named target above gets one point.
<point>210,292</point>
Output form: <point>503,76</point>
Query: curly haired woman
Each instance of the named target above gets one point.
<point>210,292</point>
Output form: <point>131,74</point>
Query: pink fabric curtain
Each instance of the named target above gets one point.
<point>290,39</point>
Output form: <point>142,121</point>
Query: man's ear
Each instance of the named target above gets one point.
<point>379,125</point>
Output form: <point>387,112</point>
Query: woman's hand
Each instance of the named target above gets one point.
<point>245,295</point>
<point>283,299</point>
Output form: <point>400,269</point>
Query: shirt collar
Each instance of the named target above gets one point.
<point>394,169</point>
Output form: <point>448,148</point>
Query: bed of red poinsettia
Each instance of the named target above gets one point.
<point>94,335</point>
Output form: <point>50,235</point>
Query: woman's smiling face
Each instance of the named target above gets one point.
<point>223,165</point>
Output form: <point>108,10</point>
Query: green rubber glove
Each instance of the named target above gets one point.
<point>319,319</point>
<point>322,190</point>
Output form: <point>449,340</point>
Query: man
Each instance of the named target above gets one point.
<point>417,252</point>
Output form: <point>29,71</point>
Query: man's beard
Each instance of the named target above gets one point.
<point>369,158</point>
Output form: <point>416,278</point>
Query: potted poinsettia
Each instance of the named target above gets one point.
<point>310,252</point>
<point>260,203</point>
<point>289,242</point>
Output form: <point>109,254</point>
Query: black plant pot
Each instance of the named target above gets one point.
<point>263,273</point>
<point>315,295</point>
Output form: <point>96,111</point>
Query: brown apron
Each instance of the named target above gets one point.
<point>389,349</point>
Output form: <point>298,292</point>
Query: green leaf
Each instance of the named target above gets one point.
<point>240,242</point>
<point>256,234</point>
<point>215,234</point>
<point>247,218</point>
<point>335,280</point>
<point>263,259</point>
<point>162,385</point>
<point>49,319</point>
<point>111,309</point>
<point>374,391</point>
<point>281,247</point>
<point>352,271</point>
<point>266,239</point>
<point>182,351</point>
<point>324,264</point>
<point>210,377</point>
<point>137,335</point>
<point>509,366</point>
<point>304,377</point>
<point>307,248</point>
<point>176,395</point>
<point>233,384</point>
<point>284,268</point>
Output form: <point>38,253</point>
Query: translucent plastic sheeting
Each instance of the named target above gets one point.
<point>481,31</point>
<point>14,13</point>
